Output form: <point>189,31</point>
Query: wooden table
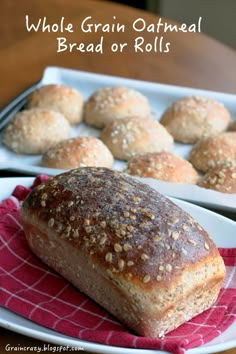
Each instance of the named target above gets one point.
<point>193,60</point>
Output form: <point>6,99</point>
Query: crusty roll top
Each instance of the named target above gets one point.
<point>128,228</point>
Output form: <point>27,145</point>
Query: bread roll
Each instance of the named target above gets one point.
<point>112,103</point>
<point>126,246</point>
<point>221,178</point>
<point>59,98</point>
<point>135,135</point>
<point>192,118</point>
<point>35,130</point>
<point>213,151</point>
<point>78,152</point>
<point>163,166</point>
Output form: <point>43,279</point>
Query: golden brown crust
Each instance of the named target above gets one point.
<point>130,136</point>
<point>213,151</point>
<point>163,166</point>
<point>192,118</point>
<point>78,152</point>
<point>59,98</point>
<point>221,178</point>
<point>112,103</point>
<point>35,130</point>
<point>126,246</point>
<point>113,217</point>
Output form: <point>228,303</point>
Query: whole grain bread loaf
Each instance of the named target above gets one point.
<point>126,246</point>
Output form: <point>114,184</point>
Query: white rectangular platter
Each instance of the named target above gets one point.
<point>160,96</point>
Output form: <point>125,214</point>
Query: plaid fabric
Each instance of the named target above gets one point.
<point>29,288</point>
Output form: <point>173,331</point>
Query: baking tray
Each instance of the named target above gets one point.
<point>160,96</point>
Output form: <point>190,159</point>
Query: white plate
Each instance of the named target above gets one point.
<point>160,96</point>
<point>222,231</point>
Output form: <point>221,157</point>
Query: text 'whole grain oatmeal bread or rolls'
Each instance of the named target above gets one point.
<point>111,103</point>
<point>34,131</point>
<point>215,150</point>
<point>130,136</point>
<point>78,152</point>
<point>60,98</point>
<point>191,118</point>
<point>126,246</point>
<point>163,166</point>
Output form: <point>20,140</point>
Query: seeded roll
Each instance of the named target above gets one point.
<point>34,131</point>
<point>163,166</point>
<point>221,178</point>
<point>126,246</point>
<point>111,103</point>
<point>194,117</point>
<point>59,98</point>
<point>82,151</point>
<point>215,150</point>
<point>131,136</point>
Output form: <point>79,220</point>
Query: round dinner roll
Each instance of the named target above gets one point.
<point>112,103</point>
<point>78,152</point>
<point>213,151</point>
<point>135,135</point>
<point>221,178</point>
<point>192,118</point>
<point>163,166</point>
<point>35,130</point>
<point>232,126</point>
<point>59,98</point>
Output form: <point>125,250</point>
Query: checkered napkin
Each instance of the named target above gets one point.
<point>30,289</point>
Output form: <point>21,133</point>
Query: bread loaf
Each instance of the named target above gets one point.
<point>126,246</point>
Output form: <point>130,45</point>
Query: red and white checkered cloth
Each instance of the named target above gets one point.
<point>30,289</point>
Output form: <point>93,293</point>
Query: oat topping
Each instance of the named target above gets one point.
<point>43,203</point>
<point>175,235</point>
<point>103,224</point>
<point>146,278</point>
<point>130,263</point>
<point>169,267</point>
<point>144,257</point>
<point>130,232</point>
<point>117,247</point>
<point>51,222</point>
<point>121,264</point>
<point>108,257</point>
<point>127,247</point>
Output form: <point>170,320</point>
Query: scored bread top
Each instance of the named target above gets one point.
<point>127,228</point>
